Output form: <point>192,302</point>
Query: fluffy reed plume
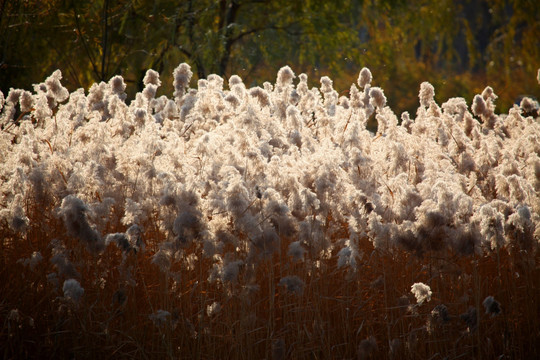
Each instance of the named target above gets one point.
<point>266,222</point>
<point>422,292</point>
<point>492,306</point>
<point>73,290</point>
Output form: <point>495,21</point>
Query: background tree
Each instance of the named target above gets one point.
<point>459,46</point>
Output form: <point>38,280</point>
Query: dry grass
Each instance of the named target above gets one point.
<point>341,313</point>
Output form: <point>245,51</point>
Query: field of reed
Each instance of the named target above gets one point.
<point>228,222</point>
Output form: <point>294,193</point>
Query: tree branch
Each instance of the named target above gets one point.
<point>201,72</point>
<point>230,17</point>
<point>104,38</point>
<point>85,45</point>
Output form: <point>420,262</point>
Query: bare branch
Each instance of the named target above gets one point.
<point>85,45</point>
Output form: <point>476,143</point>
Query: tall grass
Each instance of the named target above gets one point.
<point>211,275</point>
<point>337,310</point>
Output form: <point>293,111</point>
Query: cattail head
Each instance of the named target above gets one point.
<point>73,211</point>
<point>326,84</point>
<point>233,100</point>
<point>302,86</point>
<point>285,77</point>
<point>293,284</point>
<point>235,80</point>
<point>120,240</point>
<point>32,261</point>
<point>364,78</point>
<point>187,226</point>
<point>528,106</point>
<point>427,93</point>
<point>149,91</point>
<point>13,96</point>
<point>489,94</point>
<point>422,292</point>
<point>135,237</point>
<point>345,257</point>
<point>26,101</point>
<point>377,98</point>
<point>470,318</point>
<point>215,82</point>
<point>160,318</point>
<point>162,258</point>
<point>64,266</point>
<point>54,88</point>
<point>297,251</point>
<point>492,306</point>
<point>118,87</point>
<point>182,75</point>
<point>479,106</point>
<point>261,95</point>
<point>440,313</point>
<point>231,270</point>
<point>73,290</point>
<point>152,77</point>
<point>213,309</point>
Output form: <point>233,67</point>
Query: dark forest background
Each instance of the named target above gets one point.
<point>458,46</point>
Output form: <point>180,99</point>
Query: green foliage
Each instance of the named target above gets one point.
<point>460,46</point>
